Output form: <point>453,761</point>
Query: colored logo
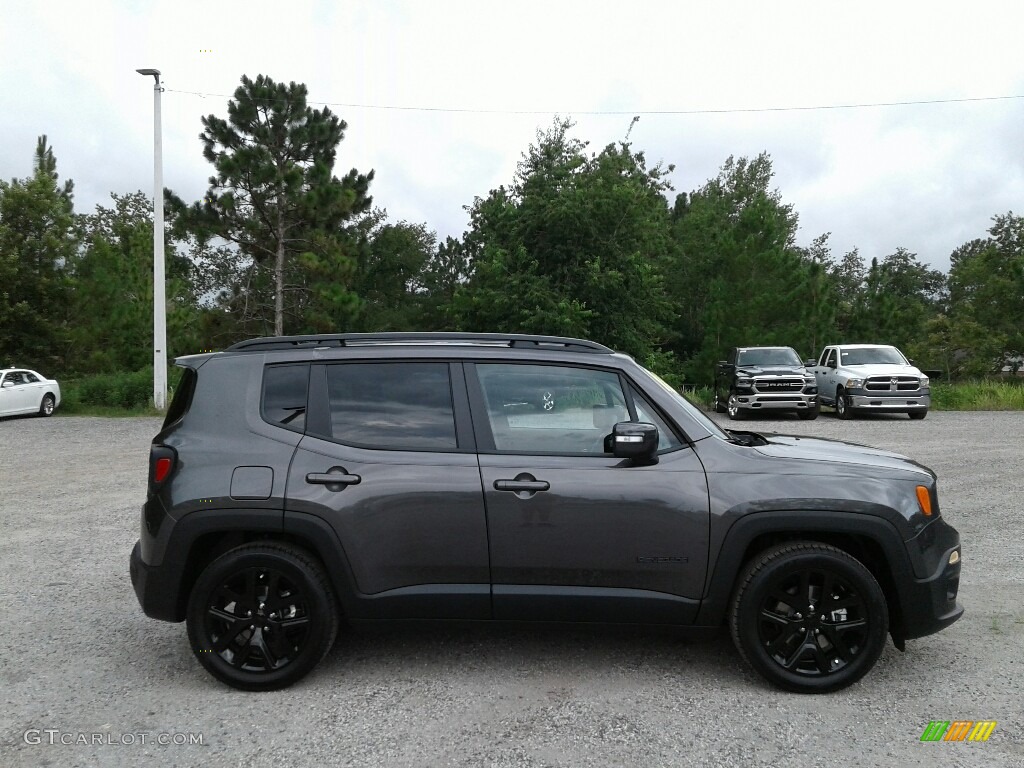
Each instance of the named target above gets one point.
<point>958,730</point>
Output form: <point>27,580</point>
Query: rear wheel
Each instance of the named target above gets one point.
<point>261,616</point>
<point>46,407</point>
<point>809,617</point>
<point>917,415</point>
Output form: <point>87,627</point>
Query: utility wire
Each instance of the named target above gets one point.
<point>737,110</point>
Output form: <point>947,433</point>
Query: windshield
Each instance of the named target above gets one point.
<point>873,356</point>
<point>692,410</point>
<point>768,356</point>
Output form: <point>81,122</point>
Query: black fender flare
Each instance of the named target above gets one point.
<point>802,525</point>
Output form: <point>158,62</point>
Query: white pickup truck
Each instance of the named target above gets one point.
<point>871,377</point>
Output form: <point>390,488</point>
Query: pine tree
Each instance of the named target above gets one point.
<point>275,198</point>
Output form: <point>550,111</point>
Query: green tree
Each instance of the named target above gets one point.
<point>900,296</point>
<point>38,240</point>
<point>390,278</point>
<point>445,272</point>
<point>275,198</point>
<point>986,287</point>
<point>739,278</point>
<point>575,246</point>
<point>112,304</point>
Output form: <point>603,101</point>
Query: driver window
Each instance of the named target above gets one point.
<point>831,362</point>
<point>550,409</point>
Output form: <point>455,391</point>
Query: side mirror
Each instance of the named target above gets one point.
<point>910,360</point>
<point>810,362</point>
<point>637,441</point>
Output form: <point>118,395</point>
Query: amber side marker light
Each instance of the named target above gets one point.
<point>924,500</point>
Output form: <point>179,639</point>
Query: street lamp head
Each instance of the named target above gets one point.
<point>154,72</point>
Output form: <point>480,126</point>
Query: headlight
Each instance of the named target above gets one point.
<point>854,383</point>
<point>924,381</point>
<point>743,381</point>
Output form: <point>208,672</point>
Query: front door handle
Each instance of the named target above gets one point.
<point>524,485</point>
<point>336,479</point>
<point>521,485</point>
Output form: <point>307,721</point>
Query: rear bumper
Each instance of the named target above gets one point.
<point>151,588</point>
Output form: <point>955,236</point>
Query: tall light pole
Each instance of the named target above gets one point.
<point>159,301</point>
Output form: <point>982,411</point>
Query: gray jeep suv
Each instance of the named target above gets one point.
<point>299,482</point>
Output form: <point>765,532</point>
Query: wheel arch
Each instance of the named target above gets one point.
<point>873,541</point>
<point>207,535</point>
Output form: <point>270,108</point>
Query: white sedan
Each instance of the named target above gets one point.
<point>24,391</point>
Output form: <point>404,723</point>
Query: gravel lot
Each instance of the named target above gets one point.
<point>78,656</point>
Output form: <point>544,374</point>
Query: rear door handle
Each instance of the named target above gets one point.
<point>334,480</point>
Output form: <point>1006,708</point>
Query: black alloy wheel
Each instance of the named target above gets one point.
<point>809,617</point>
<point>261,616</point>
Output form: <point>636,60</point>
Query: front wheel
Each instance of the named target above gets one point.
<point>812,412</point>
<point>261,616</point>
<point>733,408</point>
<point>843,408</point>
<point>917,415</point>
<point>809,617</point>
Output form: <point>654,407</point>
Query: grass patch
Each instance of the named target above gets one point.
<point>982,395</point>
<point>703,396</point>
<point>109,394</point>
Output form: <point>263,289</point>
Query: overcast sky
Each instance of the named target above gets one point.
<point>925,177</point>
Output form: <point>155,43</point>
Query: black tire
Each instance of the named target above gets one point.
<point>811,413</point>
<point>250,638</point>
<point>917,415</point>
<point>809,617</point>
<point>47,405</point>
<point>734,410</point>
<point>719,408</point>
<point>843,408</point>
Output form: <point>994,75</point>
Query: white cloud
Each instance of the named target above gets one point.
<point>924,177</point>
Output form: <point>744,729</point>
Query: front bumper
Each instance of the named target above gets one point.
<point>890,402</point>
<point>796,401</point>
<point>929,605</point>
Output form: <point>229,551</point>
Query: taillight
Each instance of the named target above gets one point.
<point>162,469</point>
<point>161,464</point>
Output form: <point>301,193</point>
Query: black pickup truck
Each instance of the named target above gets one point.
<point>757,379</point>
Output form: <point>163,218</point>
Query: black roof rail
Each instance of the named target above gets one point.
<point>368,339</point>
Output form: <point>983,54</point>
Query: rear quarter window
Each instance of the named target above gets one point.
<point>182,399</point>
<point>285,391</point>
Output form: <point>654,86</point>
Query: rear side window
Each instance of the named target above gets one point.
<point>182,396</point>
<point>396,406</point>
<point>284,395</point>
